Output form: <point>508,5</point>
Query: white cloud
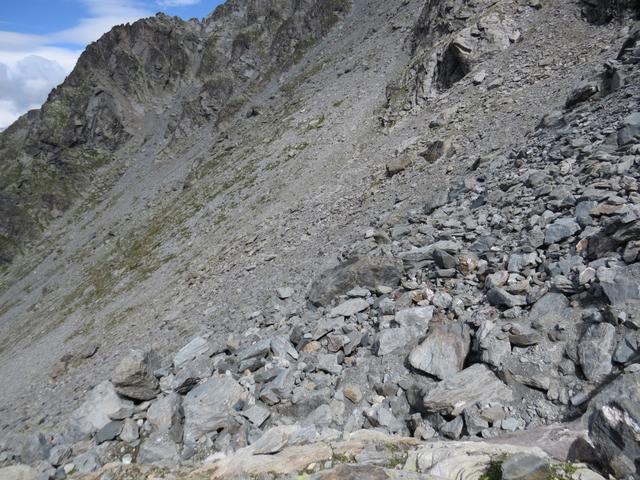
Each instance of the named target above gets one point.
<point>24,85</point>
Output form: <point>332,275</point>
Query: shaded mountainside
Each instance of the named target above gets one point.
<point>205,71</point>
<point>387,239</point>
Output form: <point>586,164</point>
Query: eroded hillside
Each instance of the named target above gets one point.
<point>412,217</point>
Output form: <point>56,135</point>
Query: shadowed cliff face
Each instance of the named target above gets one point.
<point>127,82</point>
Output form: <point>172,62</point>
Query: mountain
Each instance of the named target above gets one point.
<point>329,239</point>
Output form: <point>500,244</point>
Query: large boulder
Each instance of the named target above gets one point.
<point>165,415</point>
<point>613,419</point>
<point>134,376</point>
<point>95,411</point>
<point>210,406</point>
<point>595,351</point>
<point>463,389</point>
<point>18,472</point>
<point>443,352</point>
<point>357,272</point>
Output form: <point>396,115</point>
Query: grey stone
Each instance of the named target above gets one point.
<point>134,377</point>
<point>549,303</point>
<point>209,407</point>
<point>109,432</point>
<point>561,229</point>
<point>620,284</point>
<point>130,432</point>
<point>520,261</point>
<point>442,300</point>
<point>19,472</point>
<point>595,350</point>
<point>453,428</point>
<point>630,129</point>
<point>196,347</point>
<point>285,292</point>
<point>86,462</point>
<point>282,348</point>
<point>165,415</point>
<point>328,362</point>
<point>501,298</point>
<point>613,429</point>
<point>257,415</point>
<point>159,449</point>
<point>444,259</point>
<point>473,384</point>
<point>416,318</point>
<point>524,466</point>
<point>350,307</point>
<point>492,344</point>
<point>393,339</point>
<point>444,350</point>
<point>60,454</point>
<point>95,411</point>
<point>367,272</point>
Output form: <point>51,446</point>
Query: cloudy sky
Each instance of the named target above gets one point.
<point>40,41</point>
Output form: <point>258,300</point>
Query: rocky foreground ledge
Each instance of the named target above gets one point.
<point>493,334</point>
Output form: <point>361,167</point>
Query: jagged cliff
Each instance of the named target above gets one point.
<point>327,239</point>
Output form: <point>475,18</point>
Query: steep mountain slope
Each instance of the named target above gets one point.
<point>266,144</point>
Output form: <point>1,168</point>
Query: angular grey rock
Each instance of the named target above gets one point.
<point>109,432</point>
<point>367,272</point>
<point>86,462</point>
<point>398,164</point>
<point>393,339</point>
<point>444,259</point>
<point>350,307</point>
<point>282,348</point>
<point>60,454</point>
<point>453,428</point>
<point>524,466</point>
<point>256,415</point>
<point>501,298</point>
<point>130,432</point>
<point>492,344</point>
<point>134,376</point>
<point>328,362</point>
<point>620,284</point>
<point>209,407</point>
<point>19,472</point>
<point>443,352</point>
<point>630,130</point>
<point>196,347</point>
<point>166,415</point>
<point>95,411</point>
<point>549,303</point>
<point>416,318</point>
<point>285,293</point>
<point>561,229</point>
<point>613,429</point>
<point>159,449</point>
<point>595,350</point>
<point>463,389</point>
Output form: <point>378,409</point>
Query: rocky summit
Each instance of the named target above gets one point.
<point>330,239</point>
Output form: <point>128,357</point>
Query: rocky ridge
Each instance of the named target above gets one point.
<point>501,308</point>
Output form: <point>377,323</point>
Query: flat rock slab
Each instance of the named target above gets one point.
<point>350,307</point>
<point>209,406</point>
<point>474,384</point>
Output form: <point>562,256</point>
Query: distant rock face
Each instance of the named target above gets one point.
<point>50,155</point>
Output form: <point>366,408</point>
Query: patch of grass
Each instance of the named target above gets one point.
<point>494,471</point>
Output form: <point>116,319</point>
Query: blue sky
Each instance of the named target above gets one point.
<point>40,41</point>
